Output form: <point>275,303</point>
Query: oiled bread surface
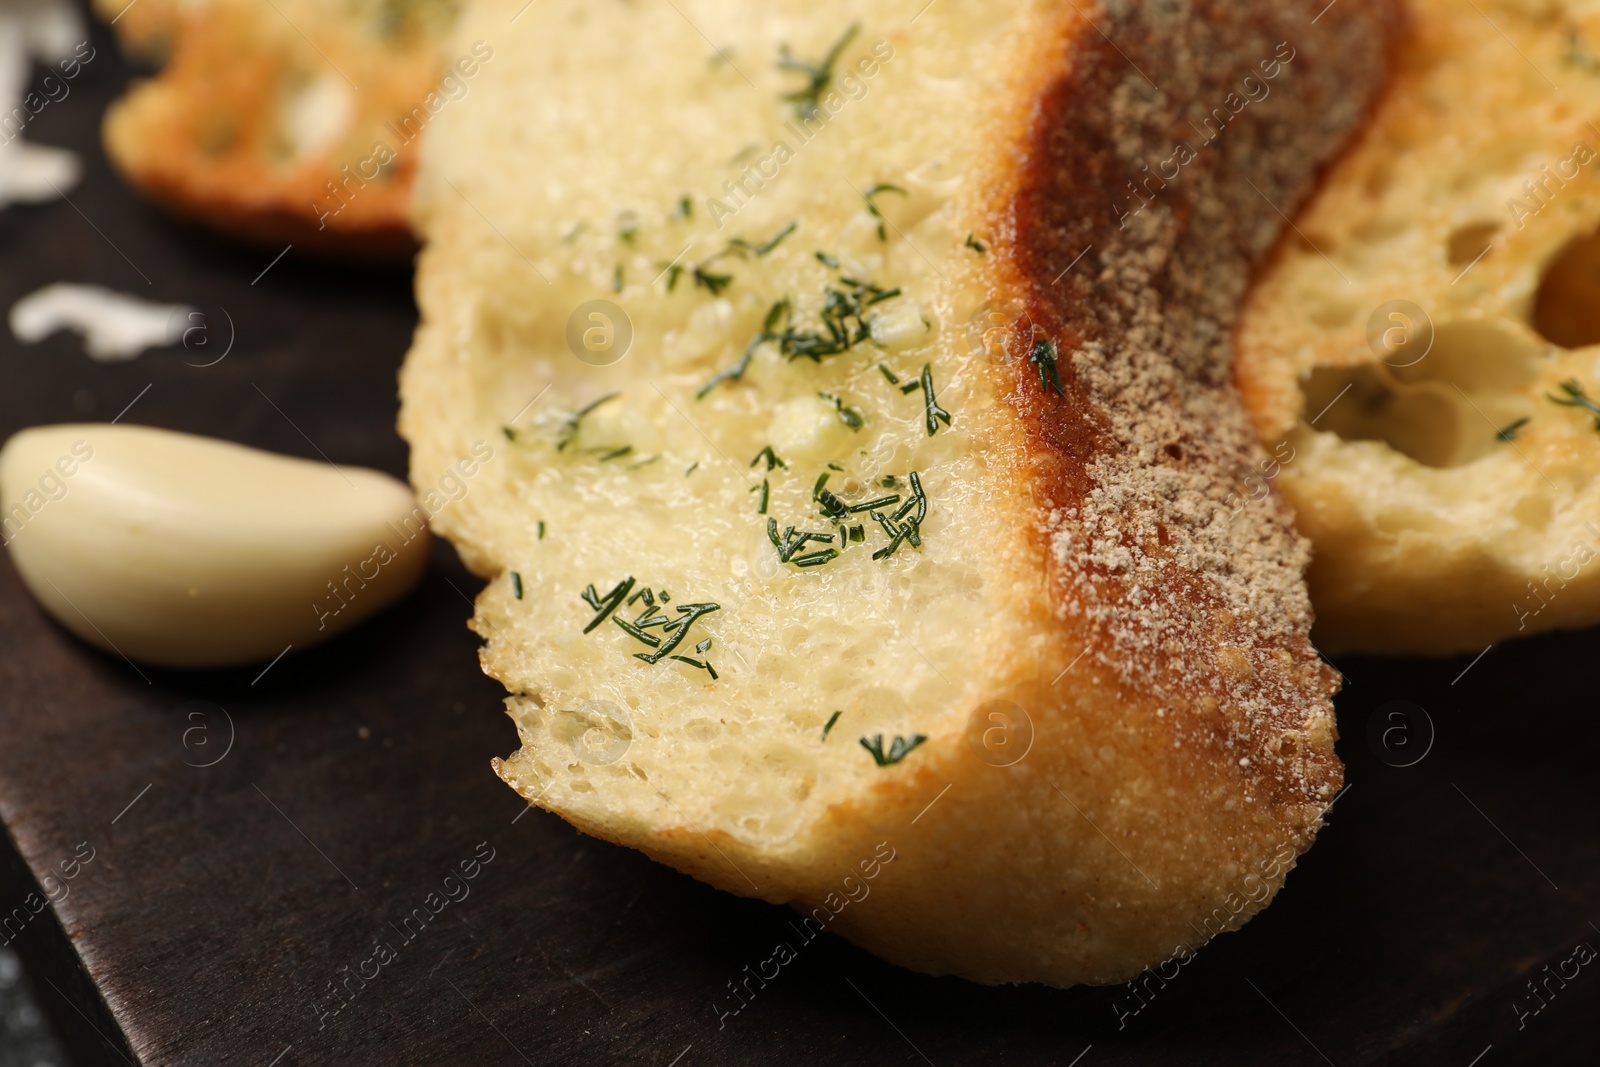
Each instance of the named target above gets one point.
<point>1080,606</point>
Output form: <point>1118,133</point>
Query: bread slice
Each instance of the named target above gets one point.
<point>1431,320</point>
<point>1049,715</point>
<point>288,121</point>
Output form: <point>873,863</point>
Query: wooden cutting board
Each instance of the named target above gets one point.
<point>242,843</point>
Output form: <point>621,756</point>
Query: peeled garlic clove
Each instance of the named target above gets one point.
<point>185,551</point>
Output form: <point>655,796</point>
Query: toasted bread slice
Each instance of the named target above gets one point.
<point>1436,320</point>
<point>864,546</point>
<point>145,28</point>
<point>293,121</point>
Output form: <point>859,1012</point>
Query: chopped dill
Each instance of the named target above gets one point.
<point>1577,398</point>
<point>889,374</point>
<point>617,453</point>
<point>772,458</point>
<point>684,209</point>
<point>713,283</point>
<point>616,279</point>
<point>790,543</point>
<point>829,724</point>
<point>819,75</point>
<point>849,416</point>
<point>899,748</point>
<point>765,246</point>
<point>703,665</point>
<point>975,244</point>
<point>541,529</point>
<point>1510,432</point>
<point>511,435</point>
<point>1044,355</point>
<point>932,412</point>
<point>843,325</point>
<point>827,261</point>
<point>605,605</point>
<point>673,631</point>
<point>775,315</point>
<point>766,492</point>
<point>873,505</point>
<point>569,430</point>
<point>628,228</point>
<point>516,584</point>
<point>881,187</point>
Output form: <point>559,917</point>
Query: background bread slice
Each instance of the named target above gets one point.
<point>285,121</point>
<point>1112,732</point>
<point>1445,275</point>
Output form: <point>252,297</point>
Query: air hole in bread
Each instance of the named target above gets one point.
<point>1566,307</point>
<point>1443,409</point>
<point>1467,243</point>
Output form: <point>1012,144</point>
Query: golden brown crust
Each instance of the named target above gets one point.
<point>1144,319</point>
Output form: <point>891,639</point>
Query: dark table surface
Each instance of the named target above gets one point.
<point>252,837</point>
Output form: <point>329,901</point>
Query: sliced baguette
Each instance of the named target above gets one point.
<point>1441,294</point>
<point>1075,722</point>
<point>290,121</point>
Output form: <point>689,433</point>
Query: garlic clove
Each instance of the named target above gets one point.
<point>186,551</point>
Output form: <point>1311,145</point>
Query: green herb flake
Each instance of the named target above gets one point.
<point>819,76</point>
<point>790,543</point>
<point>1577,398</point>
<point>776,314</point>
<point>766,492</point>
<point>704,665</point>
<point>541,529</point>
<point>772,458</point>
<point>712,283</point>
<point>849,416</point>
<point>759,250</point>
<point>569,430</point>
<point>899,748</point>
<point>975,244</point>
<point>827,261</point>
<point>1044,355</point>
<point>616,280</point>
<point>628,228</point>
<point>1510,432</point>
<point>511,435</point>
<point>516,584</point>
<point>881,187</point>
<point>873,505</point>
<point>672,631</point>
<point>829,724</point>
<point>607,604</point>
<point>889,374</point>
<point>932,414</point>
<point>684,209</point>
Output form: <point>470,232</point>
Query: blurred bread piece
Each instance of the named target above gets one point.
<point>1051,717</point>
<point>1431,315</point>
<point>285,121</point>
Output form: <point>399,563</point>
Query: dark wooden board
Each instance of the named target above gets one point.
<point>223,902</point>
